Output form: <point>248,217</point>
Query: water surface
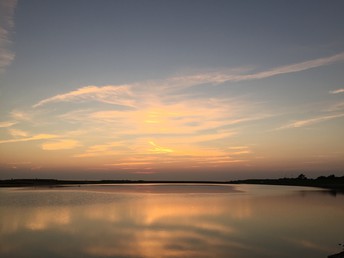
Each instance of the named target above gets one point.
<point>162,220</point>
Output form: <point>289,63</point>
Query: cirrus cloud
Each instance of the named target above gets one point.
<point>310,121</point>
<point>32,138</point>
<point>60,145</point>
<point>130,95</point>
<point>337,91</point>
<point>118,95</point>
<point>5,124</point>
<point>7,8</point>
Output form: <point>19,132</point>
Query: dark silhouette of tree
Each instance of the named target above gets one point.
<point>301,177</point>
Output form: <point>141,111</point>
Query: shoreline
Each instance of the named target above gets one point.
<point>332,183</point>
<point>56,182</point>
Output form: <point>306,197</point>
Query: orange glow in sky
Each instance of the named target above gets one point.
<point>146,95</point>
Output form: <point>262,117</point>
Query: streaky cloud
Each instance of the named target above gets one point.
<point>21,116</point>
<point>239,148</point>
<point>127,95</point>
<point>337,91</point>
<point>100,150</point>
<point>60,145</point>
<point>7,8</point>
<point>32,138</point>
<point>336,107</point>
<point>298,67</point>
<point>159,149</point>
<point>237,75</point>
<point>5,124</point>
<point>111,94</point>
<point>18,133</point>
<point>306,122</point>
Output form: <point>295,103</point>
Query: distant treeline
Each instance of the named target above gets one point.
<point>56,182</point>
<point>331,182</point>
<point>49,182</point>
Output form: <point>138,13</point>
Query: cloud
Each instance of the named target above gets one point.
<point>60,145</point>
<point>32,138</point>
<point>239,148</point>
<point>159,127</point>
<point>133,94</point>
<point>5,124</point>
<point>170,132</point>
<point>21,116</point>
<point>7,8</point>
<point>154,117</point>
<point>144,153</point>
<point>129,164</point>
<point>298,67</point>
<point>337,91</point>
<point>6,56</point>
<point>336,107</point>
<point>108,149</point>
<point>18,133</point>
<point>306,122</point>
<point>236,75</point>
<point>118,95</point>
<point>159,149</point>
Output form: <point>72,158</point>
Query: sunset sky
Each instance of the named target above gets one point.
<point>201,90</point>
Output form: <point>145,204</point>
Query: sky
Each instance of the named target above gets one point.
<point>171,89</point>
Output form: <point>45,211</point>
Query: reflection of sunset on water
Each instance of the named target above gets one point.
<point>104,222</point>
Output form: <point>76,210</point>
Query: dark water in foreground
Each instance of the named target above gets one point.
<point>170,221</point>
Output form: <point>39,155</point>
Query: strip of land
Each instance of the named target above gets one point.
<point>328,182</point>
<point>56,182</point>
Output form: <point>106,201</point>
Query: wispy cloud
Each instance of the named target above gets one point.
<point>310,245</point>
<point>336,107</point>
<point>20,115</point>
<point>18,133</point>
<point>306,122</point>
<point>239,148</point>
<point>7,8</point>
<point>337,91</point>
<point>154,132</point>
<point>118,95</point>
<point>32,138</point>
<point>128,95</point>
<point>108,149</point>
<point>155,117</point>
<point>298,67</point>
<point>237,75</point>
<point>159,149</point>
<point>5,124</point>
<point>60,145</point>
<point>157,127</point>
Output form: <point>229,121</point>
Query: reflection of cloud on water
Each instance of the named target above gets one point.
<point>164,225</point>
<point>167,225</point>
<point>149,226</point>
<point>17,219</point>
<point>163,243</point>
<point>47,217</point>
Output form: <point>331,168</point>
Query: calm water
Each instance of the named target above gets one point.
<point>170,221</point>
